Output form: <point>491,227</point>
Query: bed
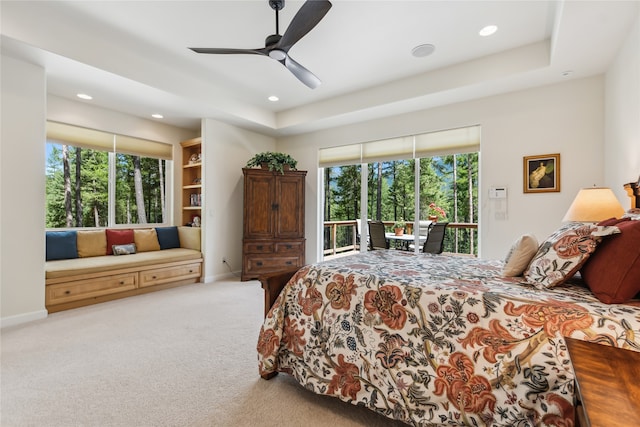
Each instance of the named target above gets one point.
<point>435,340</point>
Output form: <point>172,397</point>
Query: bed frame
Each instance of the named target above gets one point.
<point>633,190</point>
<point>272,284</point>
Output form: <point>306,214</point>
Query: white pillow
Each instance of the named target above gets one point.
<point>520,255</point>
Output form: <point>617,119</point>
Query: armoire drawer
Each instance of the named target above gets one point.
<point>290,247</point>
<point>258,248</point>
<point>263,264</point>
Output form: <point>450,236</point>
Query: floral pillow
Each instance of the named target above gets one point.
<point>564,252</point>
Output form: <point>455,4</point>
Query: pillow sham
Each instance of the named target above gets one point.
<point>520,255</point>
<point>118,237</point>
<point>92,243</point>
<point>146,240</point>
<point>564,252</point>
<point>127,249</point>
<point>613,271</point>
<point>61,245</point>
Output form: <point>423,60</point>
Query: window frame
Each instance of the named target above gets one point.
<point>72,136</point>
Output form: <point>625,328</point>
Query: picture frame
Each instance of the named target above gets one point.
<point>541,173</point>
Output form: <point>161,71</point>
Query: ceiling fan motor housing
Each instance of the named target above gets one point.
<point>276,4</point>
<point>272,40</point>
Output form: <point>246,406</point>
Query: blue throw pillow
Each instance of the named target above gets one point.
<point>61,245</point>
<point>168,237</point>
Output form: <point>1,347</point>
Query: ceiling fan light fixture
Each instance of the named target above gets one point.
<point>423,50</point>
<point>277,54</point>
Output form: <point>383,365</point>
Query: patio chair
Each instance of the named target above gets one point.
<point>435,239</point>
<point>423,230</point>
<point>377,239</point>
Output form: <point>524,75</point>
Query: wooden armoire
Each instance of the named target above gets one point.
<point>273,233</point>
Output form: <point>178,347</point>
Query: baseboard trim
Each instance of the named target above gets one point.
<point>223,276</point>
<point>19,319</point>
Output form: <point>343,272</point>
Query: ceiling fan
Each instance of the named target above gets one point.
<point>277,46</point>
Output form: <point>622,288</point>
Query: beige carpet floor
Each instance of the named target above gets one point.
<point>180,357</point>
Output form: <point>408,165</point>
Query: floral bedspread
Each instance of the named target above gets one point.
<point>437,340</point>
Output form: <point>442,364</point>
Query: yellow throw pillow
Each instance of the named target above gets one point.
<point>520,255</point>
<point>91,243</point>
<point>146,240</point>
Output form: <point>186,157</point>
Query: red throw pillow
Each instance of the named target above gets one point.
<point>118,237</point>
<point>613,270</point>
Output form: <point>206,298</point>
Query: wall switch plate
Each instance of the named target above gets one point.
<point>498,193</point>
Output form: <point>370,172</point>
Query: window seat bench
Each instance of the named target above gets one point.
<point>90,278</point>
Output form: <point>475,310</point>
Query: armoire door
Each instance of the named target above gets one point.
<point>289,212</point>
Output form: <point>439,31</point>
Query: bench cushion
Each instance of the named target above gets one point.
<point>74,267</point>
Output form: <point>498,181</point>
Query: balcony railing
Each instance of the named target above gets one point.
<point>342,237</point>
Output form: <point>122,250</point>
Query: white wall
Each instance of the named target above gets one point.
<point>226,150</point>
<point>567,118</point>
<point>22,159</point>
<point>622,117</point>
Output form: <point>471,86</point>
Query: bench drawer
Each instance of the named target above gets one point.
<point>89,288</point>
<point>159,276</point>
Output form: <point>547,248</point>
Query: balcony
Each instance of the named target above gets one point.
<point>341,238</point>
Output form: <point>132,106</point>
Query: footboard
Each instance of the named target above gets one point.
<point>272,284</point>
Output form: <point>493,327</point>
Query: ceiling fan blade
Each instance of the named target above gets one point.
<point>229,51</point>
<point>301,73</point>
<point>309,15</point>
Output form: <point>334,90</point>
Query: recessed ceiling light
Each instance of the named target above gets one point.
<point>84,96</point>
<point>567,73</point>
<point>488,30</point>
<point>423,50</point>
<point>157,116</point>
<point>273,98</point>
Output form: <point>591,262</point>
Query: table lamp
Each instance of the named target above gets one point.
<point>593,205</point>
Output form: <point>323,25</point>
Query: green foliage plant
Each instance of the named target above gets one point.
<point>274,161</point>
<point>399,224</point>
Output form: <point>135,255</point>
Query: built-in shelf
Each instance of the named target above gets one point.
<point>191,181</point>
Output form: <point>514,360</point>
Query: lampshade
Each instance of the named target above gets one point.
<point>593,205</point>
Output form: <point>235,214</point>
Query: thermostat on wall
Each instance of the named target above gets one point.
<point>498,193</point>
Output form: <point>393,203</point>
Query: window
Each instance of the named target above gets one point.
<point>446,164</point>
<point>97,179</point>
